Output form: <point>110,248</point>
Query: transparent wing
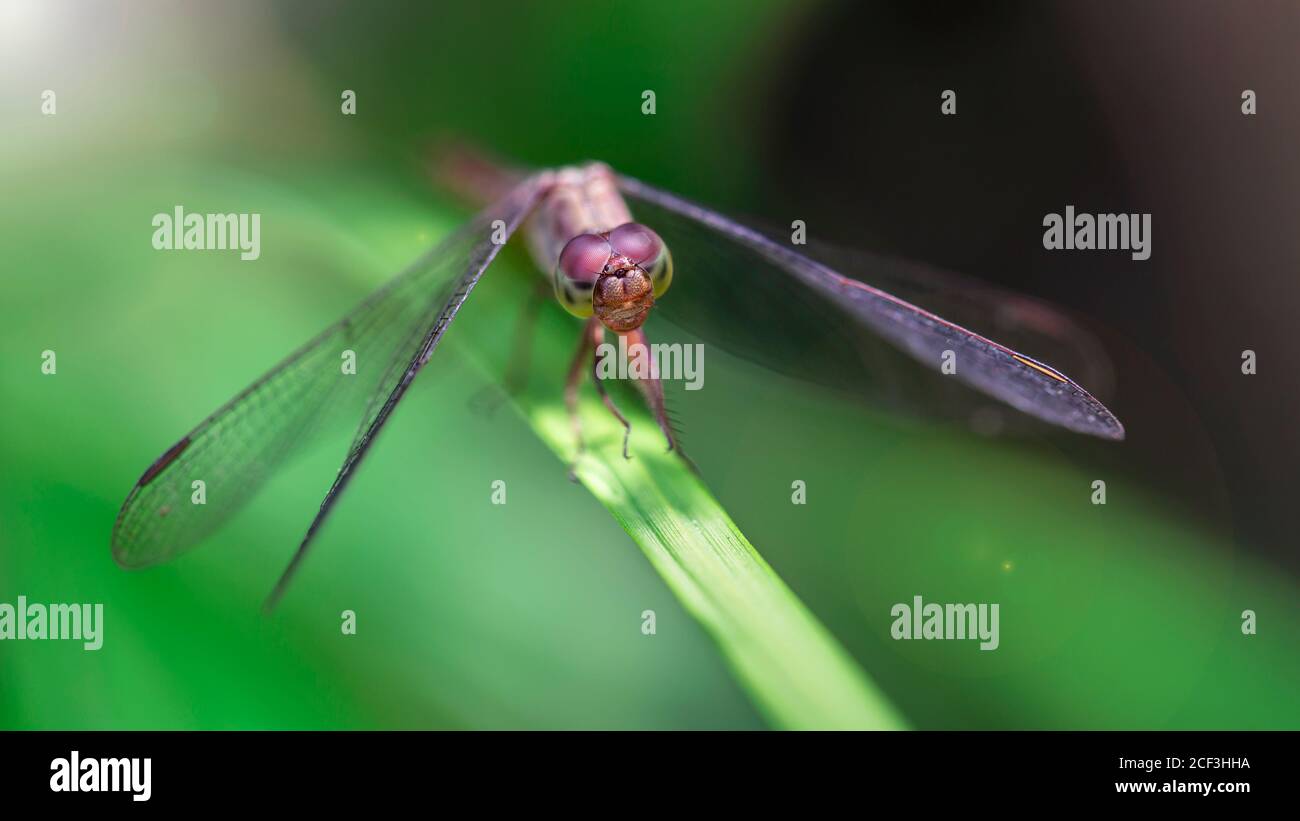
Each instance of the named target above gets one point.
<point>390,335</point>
<point>729,274</point>
<point>1018,321</point>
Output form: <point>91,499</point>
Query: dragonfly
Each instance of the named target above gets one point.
<point>613,272</point>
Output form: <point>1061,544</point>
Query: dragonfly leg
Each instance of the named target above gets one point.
<point>604,395</point>
<point>651,387</point>
<point>586,344</point>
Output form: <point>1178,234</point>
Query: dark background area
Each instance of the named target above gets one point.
<point>1111,108</point>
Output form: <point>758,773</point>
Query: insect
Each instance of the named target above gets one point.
<point>603,266</point>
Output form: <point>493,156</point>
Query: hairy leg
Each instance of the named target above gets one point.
<point>651,388</point>
<point>604,395</point>
<point>586,344</point>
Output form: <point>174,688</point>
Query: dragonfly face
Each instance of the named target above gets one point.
<point>616,275</point>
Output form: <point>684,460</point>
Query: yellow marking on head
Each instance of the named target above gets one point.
<point>1040,368</point>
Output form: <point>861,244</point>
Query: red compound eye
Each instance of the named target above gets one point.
<point>584,257</point>
<point>636,242</point>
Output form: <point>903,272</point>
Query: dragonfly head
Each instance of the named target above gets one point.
<point>616,275</point>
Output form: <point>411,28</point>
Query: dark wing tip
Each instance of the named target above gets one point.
<point>1058,399</point>
<point>1114,428</point>
<point>160,464</point>
<point>1104,425</point>
<point>119,543</point>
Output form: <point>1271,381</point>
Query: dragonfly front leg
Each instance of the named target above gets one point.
<point>586,344</point>
<point>651,387</point>
<point>593,334</point>
<point>604,395</point>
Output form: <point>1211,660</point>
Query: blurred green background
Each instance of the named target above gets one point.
<point>526,615</point>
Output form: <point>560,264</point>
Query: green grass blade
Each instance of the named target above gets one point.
<point>796,672</point>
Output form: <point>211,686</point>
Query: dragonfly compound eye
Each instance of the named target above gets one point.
<point>583,260</point>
